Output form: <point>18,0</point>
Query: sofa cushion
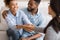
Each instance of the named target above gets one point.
<point>3,24</point>
<point>3,27</point>
<point>3,35</point>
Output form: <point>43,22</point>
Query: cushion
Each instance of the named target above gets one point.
<point>3,35</point>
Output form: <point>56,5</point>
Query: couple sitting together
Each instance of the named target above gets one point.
<point>24,24</point>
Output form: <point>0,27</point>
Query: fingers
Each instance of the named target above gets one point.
<point>4,14</point>
<point>25,38</point>
<point>27,29</point>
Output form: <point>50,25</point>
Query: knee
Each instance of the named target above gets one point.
<point>10,32</point>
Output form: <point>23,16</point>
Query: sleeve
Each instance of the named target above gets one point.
<point>51,34</point>
<point>43,23</point>
<point>25,19</point>
<point>10,23</point>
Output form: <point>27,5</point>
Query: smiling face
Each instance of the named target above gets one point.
<point>32,5</point>
<point>13,5</point>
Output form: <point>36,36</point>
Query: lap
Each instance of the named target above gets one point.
<point>13,33</point>
<point>42,37</point>
<point>29,35</point>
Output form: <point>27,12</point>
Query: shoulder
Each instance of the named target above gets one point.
<point>40,14</point>
<point>51,34</point>
<point>21,12</point>
<point>24,9</point>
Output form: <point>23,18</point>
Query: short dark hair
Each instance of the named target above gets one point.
<point>55,5</point>
<point>37,1</point>
<point>7,2</point>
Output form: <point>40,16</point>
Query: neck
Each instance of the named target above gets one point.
<point>34,11</point>
<point>14,13</point>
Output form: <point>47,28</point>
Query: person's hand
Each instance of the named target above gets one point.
<point>4,13</point>
<point>25,38</point>
<point>35,36</point>
<point>28,30</point>
<point>28,27</point>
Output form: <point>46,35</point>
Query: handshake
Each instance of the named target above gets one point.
<point>27,27</point>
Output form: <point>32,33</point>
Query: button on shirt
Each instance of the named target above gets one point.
<point>19,19</point>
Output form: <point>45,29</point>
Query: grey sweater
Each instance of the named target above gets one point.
<point>51,34</point>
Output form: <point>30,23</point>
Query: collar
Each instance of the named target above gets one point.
<point>37,13</point>
<point>17,14</point>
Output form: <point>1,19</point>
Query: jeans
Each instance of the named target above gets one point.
<point>13,34</point>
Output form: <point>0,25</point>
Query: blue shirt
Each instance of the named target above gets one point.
<point>39,20</point>
<point>19,19</point>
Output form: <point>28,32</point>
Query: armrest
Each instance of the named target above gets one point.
<point>3,27</point>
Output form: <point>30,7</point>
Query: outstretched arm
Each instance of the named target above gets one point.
<point>32,37</point>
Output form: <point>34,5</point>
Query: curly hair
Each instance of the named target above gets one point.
<point>7,2</point>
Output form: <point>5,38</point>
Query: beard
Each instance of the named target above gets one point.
<point>31,9</point>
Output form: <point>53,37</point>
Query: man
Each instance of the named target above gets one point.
<point>35,16</point>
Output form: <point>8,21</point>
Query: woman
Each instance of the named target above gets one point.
<point>16,20</point>
<point>52,30</point>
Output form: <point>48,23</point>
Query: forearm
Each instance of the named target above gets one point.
<point>39,29</point>
<point>19,26</point>
<point>35,36</point>
<point>26,27</point>
<point>29,26</point>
